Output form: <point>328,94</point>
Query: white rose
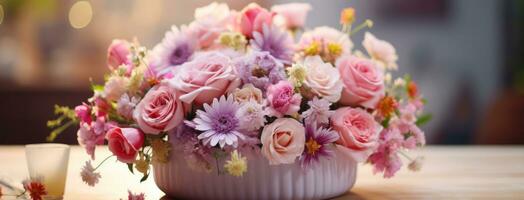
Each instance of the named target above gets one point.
<point>381,51</point>
<point>322,79</point>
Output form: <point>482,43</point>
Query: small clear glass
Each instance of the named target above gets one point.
<point>49,162</point>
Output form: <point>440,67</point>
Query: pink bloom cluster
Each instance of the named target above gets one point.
<point>232,80</point>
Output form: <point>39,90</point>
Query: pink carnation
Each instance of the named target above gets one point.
<point>87,138</point>
<point>294,14</point>
<point>83,113</point>
<point>282,99</point>
<point>385,158</point>
<point>210,21</point>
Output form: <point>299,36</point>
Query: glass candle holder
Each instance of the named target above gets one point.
<point>49,162</point>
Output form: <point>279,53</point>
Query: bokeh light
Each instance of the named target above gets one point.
<point>80,14</point>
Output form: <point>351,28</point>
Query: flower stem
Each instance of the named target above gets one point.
<point>21,194</point>
<point>218,169</point>
<point>368,23</point>
<point>102,162</point>
<point>405,155</point>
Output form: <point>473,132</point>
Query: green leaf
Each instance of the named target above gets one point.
<point>52,136</point>
<point>144,178</point>
<point>407,78</point>
<point>97,88</point>
<point>385,122</point>
<point>423,119</point>
<point>130,167</point>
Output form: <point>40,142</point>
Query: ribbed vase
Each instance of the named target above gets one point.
<point>332,177</point>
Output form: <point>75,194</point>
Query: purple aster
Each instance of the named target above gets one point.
<point>176,48</point>
<point>219,123</point>
<point>275,41</point>
<point>260,69</point>
<point>318,141</point>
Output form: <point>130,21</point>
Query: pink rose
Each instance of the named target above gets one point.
<point>208,76</point>
<point>294,14</point>
<point>283,141</point>
<point>363,82</point>
<point>252,18</point>
<point>160,110</point>
<point>358,131</point>
<point>118,54</point>
<point>124,143</point>
<point>83,112</point>
<point>282,99</point>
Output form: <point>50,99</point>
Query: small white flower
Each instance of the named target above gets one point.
<point>399,82</point>
<point>416,164</point>
<point>251,115</point>
<point>89,175</point>
<point>126,105</point>
<point>380,50</point>
<point>387,78</point>
<point>115,87</point>
<point>318,111</point>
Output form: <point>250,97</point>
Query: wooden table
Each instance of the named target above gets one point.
<point>450,172</point>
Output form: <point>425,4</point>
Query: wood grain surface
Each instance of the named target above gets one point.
<point>449,172</point>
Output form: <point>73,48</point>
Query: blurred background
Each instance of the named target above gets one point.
<point>466,55</point>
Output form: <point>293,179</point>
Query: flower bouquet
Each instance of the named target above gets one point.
<point>250,104</point>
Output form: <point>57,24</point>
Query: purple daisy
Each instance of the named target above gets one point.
<point>275,41</point>
<point>260,69</point>
<point>176,48</point>
<point>219,123</point>
<point>317,145</point>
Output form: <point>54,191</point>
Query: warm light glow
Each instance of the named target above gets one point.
<point>80,14</point>
<point>1,14</point>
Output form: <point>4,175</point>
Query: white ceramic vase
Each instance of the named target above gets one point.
<point>330,178</point>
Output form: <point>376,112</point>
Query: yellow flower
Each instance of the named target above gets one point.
<point>234,40</point>
<point>334,49</point>
<point>160,150</point>
<point>297,74</point>
<point>347,16</point>
<point>312,49</point>
<point>142,165</point>
<point>135,81</point>
<point>237,165</point>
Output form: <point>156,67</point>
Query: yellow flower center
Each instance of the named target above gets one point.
<point>334,49</point>
<point>312,146</point>
<point>312,49</point>
<point>234,40</point>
